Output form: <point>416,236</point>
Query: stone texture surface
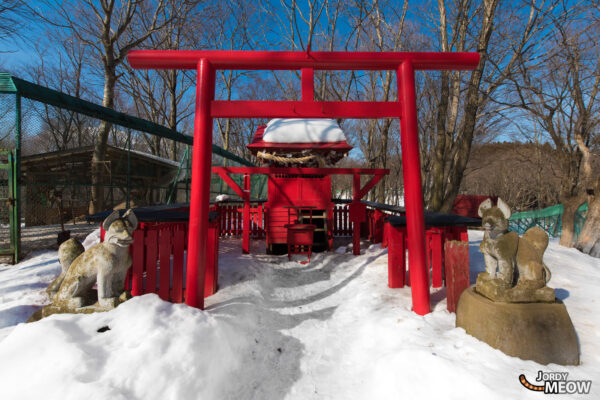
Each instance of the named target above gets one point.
<point>51,309</point>
<point>496,290</point>
<point>542,332</point>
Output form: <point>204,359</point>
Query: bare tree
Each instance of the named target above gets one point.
<point>9,17</point>
<point>162,96</point>
<point>501,33</point>
<point>559,88</point>
<point>110,28</point>
<point>62,128</point>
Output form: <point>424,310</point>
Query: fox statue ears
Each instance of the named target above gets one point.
<point>132,219</point>
<point>129,216</point>
<point>487,204</point>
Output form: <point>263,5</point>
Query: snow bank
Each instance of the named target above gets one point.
<point>331,329</point>
<point>22,288</point>
<point>153,350</point>
<point>303,131</point>
<point>92,239</point>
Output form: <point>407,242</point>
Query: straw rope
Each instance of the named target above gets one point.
<point>290,160</point>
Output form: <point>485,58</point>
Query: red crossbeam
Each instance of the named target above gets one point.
<point>300,171</point>
<point>293,60</point>
<point>306,109</point>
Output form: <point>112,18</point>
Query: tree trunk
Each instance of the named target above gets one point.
<point>589,238</point>
<point>99,156</point>
<point>567,232</point>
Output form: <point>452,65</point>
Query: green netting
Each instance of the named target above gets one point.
<point>146,163</point>
<point>258,182</point>
<point>549,219</point>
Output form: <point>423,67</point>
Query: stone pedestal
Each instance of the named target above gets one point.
<point>495,290</point>
<point>51,309</point>
<point>542,332</point>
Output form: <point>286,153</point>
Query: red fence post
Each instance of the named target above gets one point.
<point>164,250</point>
<point>457,271</point>
<point>396,260</point>
<point>386,235</point>
<point>246,222</point>
<point>464,234</point>
<point>261,230</point>
<point>178,248</point>
<point>436,258</point>
<point>212,260</point>
<point>411,169</point>
<point>137,276</point>
<point>151,258</point>
<point>200,193</point>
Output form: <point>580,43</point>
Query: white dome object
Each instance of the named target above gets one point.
<point>296,130</point>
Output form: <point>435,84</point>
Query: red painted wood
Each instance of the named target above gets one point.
<point>178,249</point>
<point>246,219</point>
<point>232,184</point>
<point>464,234</point>
<point>246,229</point>
<point>396,258</point>
<point>137,275</point>
<point>307,83</point>
<point>238,220</point>
<point>386,233</point>
<point>428,251</point>
<point>200,188</point>
<point>293,60</point>
<point>378,223</point>
<point>413,194</point>
<point>221,211</point>
<point>300,239</point>
<point>436,259</point>
<point>457,271</point>
<point>260,221</point>
<point>151,260</point>
<point>164,249</point>
<point>210,283</point>
<point>302,109</point>
<point>302,171</point>
<point>369,185</point>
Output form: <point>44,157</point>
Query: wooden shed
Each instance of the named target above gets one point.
<point>65,175</point>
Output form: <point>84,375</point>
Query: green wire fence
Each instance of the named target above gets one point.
<point>549,219</point>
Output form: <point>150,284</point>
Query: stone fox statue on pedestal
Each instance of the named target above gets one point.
<point>105,264</point>
<point>514,270</point>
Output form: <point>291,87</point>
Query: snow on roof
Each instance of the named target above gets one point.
<point>156,158</point>
<point>293,130</point>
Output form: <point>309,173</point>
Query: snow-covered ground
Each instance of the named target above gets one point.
<point>276,329</point>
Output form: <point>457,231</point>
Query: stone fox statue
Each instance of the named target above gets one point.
<point>499,246</point>
<point>515,259</point>
<point>105,264</point>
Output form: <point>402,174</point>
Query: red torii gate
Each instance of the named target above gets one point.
<point>207,62</point>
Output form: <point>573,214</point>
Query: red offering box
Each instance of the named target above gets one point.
<point>300,234</point>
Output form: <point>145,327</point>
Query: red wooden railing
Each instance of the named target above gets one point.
<point>447,255</point>
<point>231,215</point>
<point>231,220</point>
<point>341,220</point>
<point>159,244</point>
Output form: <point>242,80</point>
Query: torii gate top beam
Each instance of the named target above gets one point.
<point>288,60</point>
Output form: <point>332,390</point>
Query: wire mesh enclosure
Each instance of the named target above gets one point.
<point>47,158</point>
